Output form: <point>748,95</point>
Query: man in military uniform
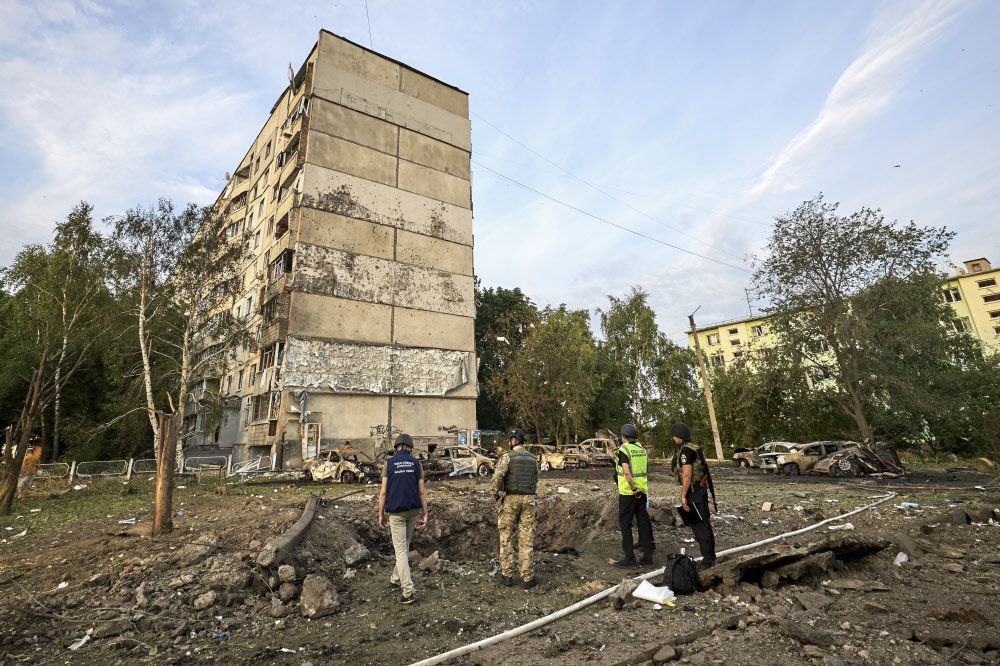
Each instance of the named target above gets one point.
<point>633,489</point>
<point>515,481</point>
<point>695,484</point>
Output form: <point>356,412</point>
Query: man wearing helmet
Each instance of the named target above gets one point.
<point>633,487</point>
<point>402,496</point>
<point>516,477</point>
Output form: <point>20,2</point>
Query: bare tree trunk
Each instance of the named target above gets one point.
<point>163,498</point>
<point>182,389</point>
<point>57,406</point>
<point>147,372</point>
<point>13,456</point>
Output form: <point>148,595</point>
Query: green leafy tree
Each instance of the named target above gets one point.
<point>549,383</point>
<point>826,277</point>
<point>504,318</point>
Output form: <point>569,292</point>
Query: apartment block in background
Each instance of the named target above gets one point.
<point>355,199</point>
<point>973,294</point>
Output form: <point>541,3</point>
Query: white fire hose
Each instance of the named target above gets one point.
<point>552,617</point>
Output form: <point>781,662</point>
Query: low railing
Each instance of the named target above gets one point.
<point>102,468</point>
<point>53,471</point>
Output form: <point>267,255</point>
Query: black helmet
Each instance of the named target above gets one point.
<point>629,432</point>
<point>518,434</point>
<point>403,440</point>
<point>681,430</point>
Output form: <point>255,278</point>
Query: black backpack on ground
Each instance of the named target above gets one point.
<point>681,575</point>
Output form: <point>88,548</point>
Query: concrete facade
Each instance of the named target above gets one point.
<point>356,202</point>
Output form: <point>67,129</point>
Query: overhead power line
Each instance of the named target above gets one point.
<point>371,42</point>
<point>605,220</point>
<point>616,199</point>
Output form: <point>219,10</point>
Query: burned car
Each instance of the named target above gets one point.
<point>550,458</point>
<point>801,459</point>
<point>587,455</point>
<point>464,460</point>
<point>862,460</point>
<point>752,457</point>
<point>603,449</point>
<point>341,466</point>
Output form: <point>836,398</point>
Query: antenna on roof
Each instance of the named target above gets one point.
<point>228,176</point>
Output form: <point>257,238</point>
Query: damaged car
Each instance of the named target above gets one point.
<point>862,460</point>
<point>748,458</point>
<point>587,455</point>
<point>550,458</point>
<point>341,466</point>
<point>464,460</point>
<point>801,459</point>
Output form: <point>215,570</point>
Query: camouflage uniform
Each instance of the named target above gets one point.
<point>516,515</point>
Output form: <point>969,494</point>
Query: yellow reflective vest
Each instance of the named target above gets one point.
<point>637,466</point>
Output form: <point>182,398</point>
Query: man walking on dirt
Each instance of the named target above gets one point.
<point>515,481</point>
<point>402,496</point>
<point>694,491</point>
<point>633,489</point>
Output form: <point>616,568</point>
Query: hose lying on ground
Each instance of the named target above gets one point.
<point>542,621</point>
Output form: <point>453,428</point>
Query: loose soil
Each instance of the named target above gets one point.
<point>197,595</point>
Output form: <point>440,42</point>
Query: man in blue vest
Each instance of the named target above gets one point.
<point>515,481</point>
<point>633,488</point>
<point>403,498</point>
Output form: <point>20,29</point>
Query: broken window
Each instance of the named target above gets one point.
<point>992,298</point>
<point>951,295</point>
<point>961,325</point>
<point>282,226</point>
<point>280,266</point>
<point>982,284</point>
<point>712,339</point>
<point>718,360</point>
<point>269,311</point>
<point>270,356</point>
<point>758,331</point>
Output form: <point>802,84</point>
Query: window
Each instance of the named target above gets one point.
<point>256,164</point>
<point>952,295</point>
<point>976,267</point>
<point>961,325</point>
<point>229,383</point>
<point>982,284</point>
<point>270,225</point>
<point>269,311</point>
<point>718,360</point>
<point>260,209</point>
<point>992,298</point>
<point>995,314</point>
<point>249,305</point>
<point>758,331</point>
<point>282,227</point>
<point>996,330</point>
<point>239,380</point>
<point>712,339</point>
<point>267,149</point>
<point>737,354</point>
<point>735,343</point>
<point>734,331</point>
<point>281,265</point>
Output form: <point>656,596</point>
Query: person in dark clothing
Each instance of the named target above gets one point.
<point>633,488</point>
<point>404,498</point>
<point>691,473</point>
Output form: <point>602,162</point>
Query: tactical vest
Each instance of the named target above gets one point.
<point>522,474</point>
<point>402,492</point>
<point>636,464</point>
<point>699,471</point>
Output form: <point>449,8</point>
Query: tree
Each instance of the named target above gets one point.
<point>504,318</point>
<point>634,346</point>
<point>54,304</point>
<point>827,277</point>
<point>179,275</point>
<point>549,383</point>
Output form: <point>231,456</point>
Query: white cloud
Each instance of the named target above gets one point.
<point>865,89</point>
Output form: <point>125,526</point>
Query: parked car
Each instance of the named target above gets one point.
<point>348,466</point>
<point>464,460</point>
<point>861,460</point>
<point>802,459</point>
<point>549,458</point>
<point>752,457</point>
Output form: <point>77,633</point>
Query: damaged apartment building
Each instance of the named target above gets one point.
<point>355,203</point>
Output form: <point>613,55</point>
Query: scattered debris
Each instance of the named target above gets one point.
<point>659,595</point>
<point>766,506</point>
<point>356,554</point>
<point>846,526</point>
<point>430,563</point>
<point>318,597</point>
<point>901,559</point>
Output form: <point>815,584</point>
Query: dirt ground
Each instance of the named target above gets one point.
<point>70,572</point>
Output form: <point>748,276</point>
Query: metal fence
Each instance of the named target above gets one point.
<point>102,468</point>
<point>258,464</point>
<point>144,466</point>
<point>205,463</point>
<point>53,471</point>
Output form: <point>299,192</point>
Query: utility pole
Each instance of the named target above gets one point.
<point>708,389</point>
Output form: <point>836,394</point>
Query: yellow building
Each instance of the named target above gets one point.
<point>973,294</point>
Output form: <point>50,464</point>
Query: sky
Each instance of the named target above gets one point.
<point>692,124</point>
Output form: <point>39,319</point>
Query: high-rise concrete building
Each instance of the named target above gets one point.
<point>355,199</point>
